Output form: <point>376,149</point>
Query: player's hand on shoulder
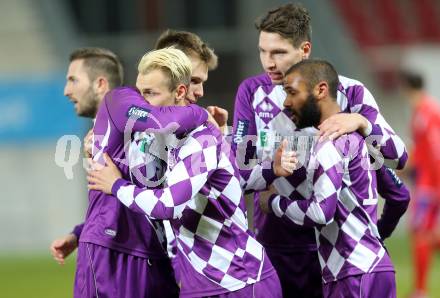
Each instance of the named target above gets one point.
<point>62,247</point>
<point>220,116</point>
<point>341,123</point>
<point>212,120</point>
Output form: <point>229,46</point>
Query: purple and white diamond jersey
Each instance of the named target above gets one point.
<point>259,113</point>
<point>342,209</point>
<point>147,168</point>
<point>123,111</point>
<point>204,201</point>
<point>260,116</point>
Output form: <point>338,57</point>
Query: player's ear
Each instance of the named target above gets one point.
<point>306,48</point>
<point>321,90</point>
<point>180,93</point>
<point>100,85</point>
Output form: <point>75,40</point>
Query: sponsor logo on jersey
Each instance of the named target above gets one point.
<point>242,130</point>
<point>138,113</point>
<point>265,115</point>
<point>145,143</point>
<point>267,110</point>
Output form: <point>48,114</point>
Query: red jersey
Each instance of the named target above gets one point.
<point>425,126</point>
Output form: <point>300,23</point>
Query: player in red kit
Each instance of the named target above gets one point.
<point>425,161</point>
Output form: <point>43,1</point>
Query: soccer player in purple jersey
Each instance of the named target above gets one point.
<point>120,253</point>
<point>203,59</point>
<point>285,39</point>
<point>342,205</point>
<point>201,196</point>
<point>92,72</point>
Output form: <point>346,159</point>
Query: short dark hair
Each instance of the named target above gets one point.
<point>291,21</point>
<point>100,61</point>
<point>315,71</point>
<point>411,79</point>
<point>189,43</point>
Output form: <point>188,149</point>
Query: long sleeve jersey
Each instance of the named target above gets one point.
<point>122,113</point>
<point>203,199</point>
<point>342,208</point>
<point>260,119</point>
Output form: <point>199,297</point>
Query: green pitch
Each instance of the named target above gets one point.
<point>40,277</point>
<point>36,276</point>
<point>400,251</point>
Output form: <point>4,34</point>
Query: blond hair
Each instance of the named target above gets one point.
<point>173,62</point>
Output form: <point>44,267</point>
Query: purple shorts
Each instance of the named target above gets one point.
<point>103,272</point>
<point>369,285</point>
<point>299,273</point>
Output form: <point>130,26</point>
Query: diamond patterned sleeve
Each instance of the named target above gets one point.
<point>196,160</point>
<point>392,147</point>
<point>320,209</point>
<point>254,176</point>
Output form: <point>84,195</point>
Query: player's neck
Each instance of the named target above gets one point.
<point>100,98</point>
<point>329,108</point>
